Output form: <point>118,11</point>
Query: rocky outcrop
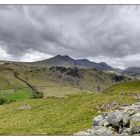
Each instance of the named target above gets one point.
<point>25,107</point>
<point>124,121</point>
<point>66,75</point>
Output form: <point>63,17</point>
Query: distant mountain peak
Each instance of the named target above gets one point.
<point>62,56</point>
<point>66,61</point>
<point>85,60</point>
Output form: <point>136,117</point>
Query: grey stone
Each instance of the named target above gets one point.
<point>122,134</point>
<point>136,134</point>
<point>82,133</point>
<point>126,119</point>
<point>135,120</point>
<point>126,130</point>
<point>122,122</point>
<point>115,118</point>
<point>99,120</point>
<point>135,130</point>
<point>131,109</point>
<point>25,107</point>
<point>118,118</point>
<point>102,131</point>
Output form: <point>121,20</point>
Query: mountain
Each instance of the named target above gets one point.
<point>51,80</point>
<point>66,61</point>
<point>132,71</point>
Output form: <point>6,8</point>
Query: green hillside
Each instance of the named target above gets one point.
<point>57,81</point>
<point>71,98</point>
<point>126,88</point>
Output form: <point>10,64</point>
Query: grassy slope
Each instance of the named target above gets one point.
<point>39,76</point>
<point>54,116</point>
<point>124,88</point>
<point>19,94</point>
<point>57,116</point>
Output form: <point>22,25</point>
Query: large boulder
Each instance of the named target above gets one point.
<point>118,118</point>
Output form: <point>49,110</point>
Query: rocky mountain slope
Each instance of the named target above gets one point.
<point>66,61</point>
<point>132,71</point>
<point>123,121</point>
<point>82,79</point>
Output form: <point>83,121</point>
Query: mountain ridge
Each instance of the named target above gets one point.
<point>66,61</point>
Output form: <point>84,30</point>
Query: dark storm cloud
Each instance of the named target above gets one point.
<point>108,33</point>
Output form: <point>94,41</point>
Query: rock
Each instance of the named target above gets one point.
<point>118,117</point>
<point>101,131</point>
<point>106,124</point>
<point>25,107</point>
<point>99,120</point>
<point>126,130</point>
<point>126,119</point>
<point>82,133</point>
<point>122,134</point>
<point>122,122</point>
<point>131,109</point>
<point>115,118</point>
<point>135,120</point>
<point>130,112</point>
<point>135,130</point>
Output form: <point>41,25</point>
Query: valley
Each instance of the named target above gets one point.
<point>42,99</point>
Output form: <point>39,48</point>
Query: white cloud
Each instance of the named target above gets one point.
<point>3,54</point>
<point>31,56</point>
<point>108,33</point>
<point>127,61</point>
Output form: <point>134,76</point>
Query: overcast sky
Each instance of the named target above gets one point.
<point>109,33</point>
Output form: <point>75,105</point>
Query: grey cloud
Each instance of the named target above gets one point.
<point>81,31</point>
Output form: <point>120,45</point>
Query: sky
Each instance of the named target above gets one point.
<point>100,33</point>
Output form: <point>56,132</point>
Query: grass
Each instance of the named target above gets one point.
<point>59,91</point>
<point>69,114</point>
<point>126,88</point>
<point>19,94</point>
<point>54,116</point>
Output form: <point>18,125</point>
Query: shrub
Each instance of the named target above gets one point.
<point>2,100</point>
<point>37,94</point>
